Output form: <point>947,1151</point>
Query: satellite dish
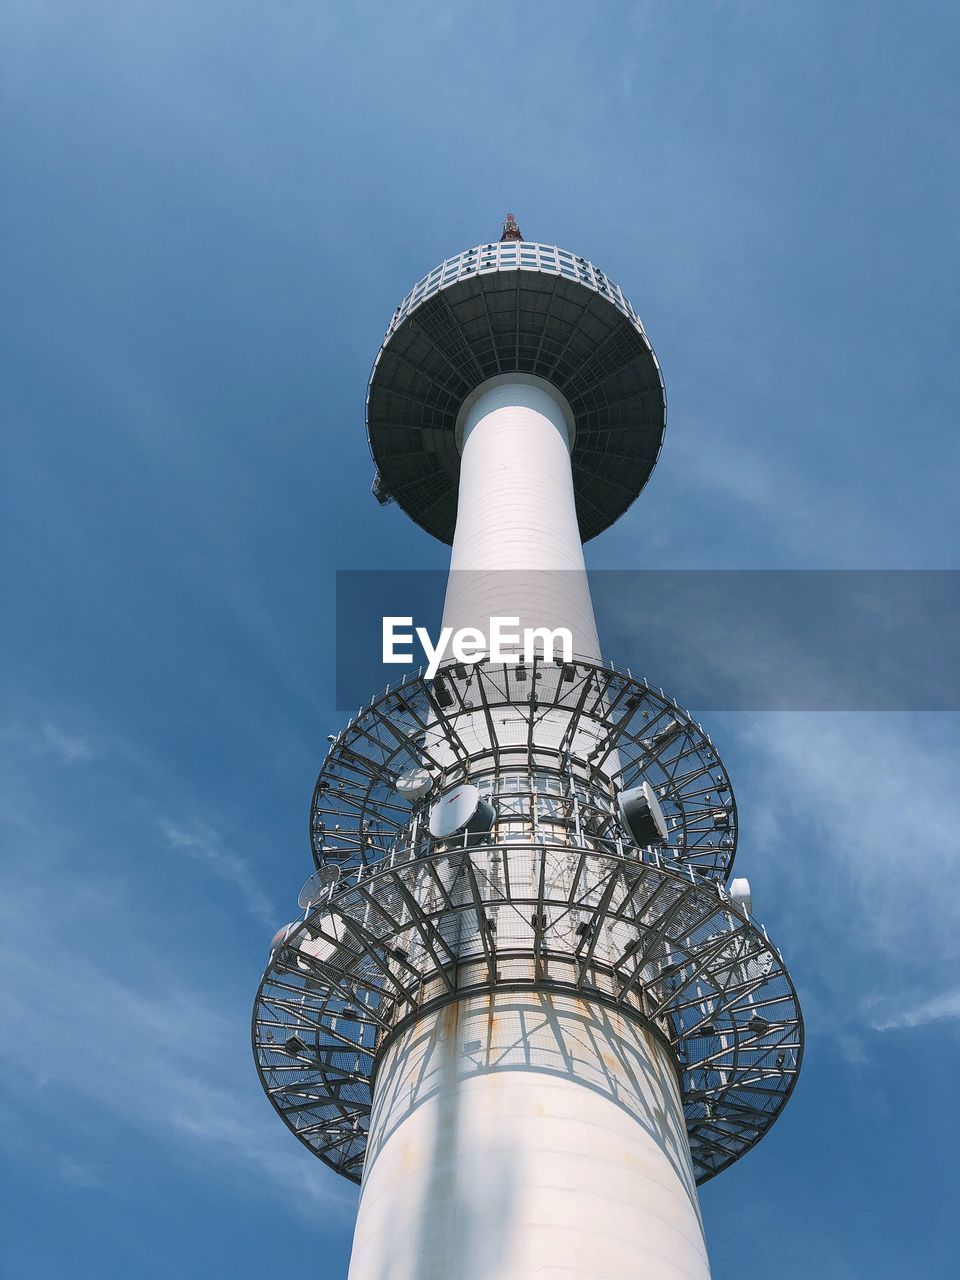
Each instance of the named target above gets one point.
<point>281,936</point>
<point>414,784</point>
<point>320,885</point>
<point>642,815</point>
<point>462,809</point>
<point>740,895</point>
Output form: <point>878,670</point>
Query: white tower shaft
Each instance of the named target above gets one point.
<point>525,1136</point>
<point>516,550</point>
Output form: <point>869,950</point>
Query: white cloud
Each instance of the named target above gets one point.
<point>940,1008</point>
<point>201,843</point>
<point>67,746</point>
<point>808,517</point>
<point>101,1018</point>
<point>160,1053</point>
<point>860,811</point>
<point>78,1173</point>
<point>26,737</point>
<point>848,821</point>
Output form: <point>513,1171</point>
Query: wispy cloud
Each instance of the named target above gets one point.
<point>159,1051</point>
<point>944,1007</point>
<point>113,1002</point>
<point>860,812</point>
<point>79,1173</point>
<point>849,818</point>
<point>200,842</point>
<point>806,516</point>
<point>29,733</point>
<point>67,746</point>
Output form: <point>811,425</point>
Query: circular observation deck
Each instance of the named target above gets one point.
<point>514,307</point>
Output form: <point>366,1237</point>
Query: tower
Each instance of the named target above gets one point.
<point>525,1006</point>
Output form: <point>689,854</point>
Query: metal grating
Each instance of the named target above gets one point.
<point>596,723</point>
<point>417,934</point>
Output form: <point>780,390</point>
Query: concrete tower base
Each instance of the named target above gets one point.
<point>525,1137</point>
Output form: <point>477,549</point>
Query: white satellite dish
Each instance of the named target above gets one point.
<point>462,809</point>
<point>320,885</point>
<point>740,895</point>
<point>414,784</point>
<point>642,815</point>
<point>282,935</point>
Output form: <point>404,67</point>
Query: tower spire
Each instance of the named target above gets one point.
<point>510,229</point>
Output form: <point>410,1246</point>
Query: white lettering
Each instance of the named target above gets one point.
<point>469,645</point>
<point>549,639</point>
<point>499,638</point>
<point>434,653</point>
<point>391,639</point>
<point>507,644</point>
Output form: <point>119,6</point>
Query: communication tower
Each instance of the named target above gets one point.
<point>525,1007</point>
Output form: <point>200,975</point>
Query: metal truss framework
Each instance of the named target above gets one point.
<point>663,946</point>
<point>598,724</point>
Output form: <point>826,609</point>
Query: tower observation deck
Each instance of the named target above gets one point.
<point>525,1005</point>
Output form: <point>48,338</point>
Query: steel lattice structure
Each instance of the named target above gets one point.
<point>621,728</point>
<point>417,922</point>
<point>689,965</point>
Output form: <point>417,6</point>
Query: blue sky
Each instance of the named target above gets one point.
<point>210,213</point>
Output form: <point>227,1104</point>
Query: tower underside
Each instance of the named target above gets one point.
<point>514,307</point>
